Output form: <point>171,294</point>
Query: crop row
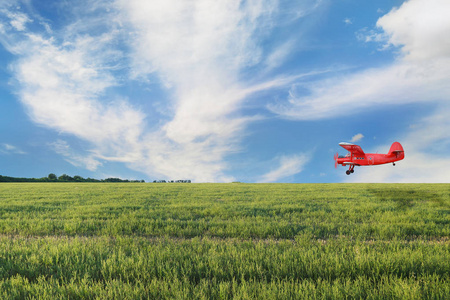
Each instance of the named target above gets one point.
<point>91,267</point>
<point>228,210</point>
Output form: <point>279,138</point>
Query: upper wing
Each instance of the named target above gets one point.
<point>355,149</point>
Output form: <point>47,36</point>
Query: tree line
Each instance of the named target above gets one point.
<point>63,178</point>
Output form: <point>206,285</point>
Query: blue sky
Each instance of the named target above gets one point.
<point>221,91</point>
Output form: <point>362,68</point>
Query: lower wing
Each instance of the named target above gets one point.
<point>349,163</point>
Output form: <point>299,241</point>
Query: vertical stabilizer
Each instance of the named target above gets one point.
<point>397,150</point>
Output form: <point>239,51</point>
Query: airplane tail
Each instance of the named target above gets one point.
<point>397,150</point>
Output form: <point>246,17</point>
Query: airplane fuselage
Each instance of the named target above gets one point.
<point>369,159</point>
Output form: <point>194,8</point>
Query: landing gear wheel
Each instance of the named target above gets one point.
<point>352,171</point>
<point>393,164</point>
<point>347,172</point>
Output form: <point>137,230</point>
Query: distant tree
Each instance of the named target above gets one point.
<point>78,178</point>
<point>89,179</point>
<point>65,177</point>
<point>113,180</point>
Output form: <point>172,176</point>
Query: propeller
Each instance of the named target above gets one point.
<point>336,160</point>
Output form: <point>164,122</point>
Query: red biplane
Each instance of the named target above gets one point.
<point>357,157</point>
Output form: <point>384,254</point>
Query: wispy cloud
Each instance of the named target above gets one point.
<point>277,57</point>
<point>10,149</point>
<point>18,21</point>
<point>288,165</point>
<point>62,148</point>
<point>357,137</point>
<point>62,81</point>
<point>395,85</point>
<point>197,49</point>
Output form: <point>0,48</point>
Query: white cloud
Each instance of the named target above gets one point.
<point>419,28</point>
<point>347,21</point>
<point>19,21</point>
<point>357,137</point>
<point>288,166</point>
<point>10,149</point>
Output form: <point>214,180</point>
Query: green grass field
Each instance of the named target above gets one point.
<point>224,241</point>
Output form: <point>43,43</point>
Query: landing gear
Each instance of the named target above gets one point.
<point>350,170</point>
<point>393,164</point>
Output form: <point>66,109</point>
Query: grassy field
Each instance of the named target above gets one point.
<point>224,241</point>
